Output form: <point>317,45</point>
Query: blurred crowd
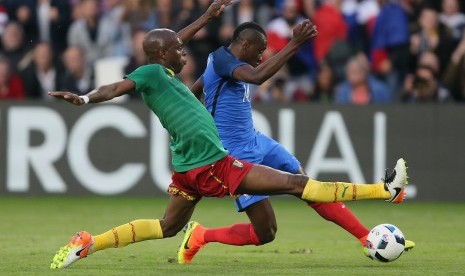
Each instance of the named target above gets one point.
<point>366,51</point>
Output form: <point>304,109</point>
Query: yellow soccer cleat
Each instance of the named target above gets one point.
<point>192,242</point>
<point>409,245</point>
<point>77,248</point>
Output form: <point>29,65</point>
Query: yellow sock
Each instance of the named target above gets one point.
<point>134,231</point>
<point>316,191</point>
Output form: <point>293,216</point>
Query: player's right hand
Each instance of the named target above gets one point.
<point>304,31</point>
<point>67,96</point>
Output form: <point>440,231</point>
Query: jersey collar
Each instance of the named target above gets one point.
<point>170,71</point>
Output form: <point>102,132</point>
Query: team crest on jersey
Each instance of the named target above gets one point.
<point>238,163</point>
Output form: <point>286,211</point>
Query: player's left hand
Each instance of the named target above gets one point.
<point>67,96</point>
<point>216,9</point>
<point>303,32</point>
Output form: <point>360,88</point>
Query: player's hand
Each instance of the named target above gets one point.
<point>304,31</point>
<point>67,96</point>
<point>216,9</point>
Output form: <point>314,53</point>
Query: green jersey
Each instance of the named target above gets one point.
<point>194,138</point>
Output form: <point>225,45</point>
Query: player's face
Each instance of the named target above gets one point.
<point>255,51</point>
<point>176,55</point>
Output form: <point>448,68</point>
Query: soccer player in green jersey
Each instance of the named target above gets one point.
<point>202,167</point>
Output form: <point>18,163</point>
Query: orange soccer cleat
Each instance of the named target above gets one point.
<point>77,248</point>
<point>192,242</point>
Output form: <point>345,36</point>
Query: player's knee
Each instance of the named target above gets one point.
<point>268,235</point>
<point>298,183</point>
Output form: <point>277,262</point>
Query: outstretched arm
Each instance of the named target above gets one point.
<point>215,10</point>
<point>257,75</point>
<point>101,94</point>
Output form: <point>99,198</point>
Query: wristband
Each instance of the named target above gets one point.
<point>85,98</point>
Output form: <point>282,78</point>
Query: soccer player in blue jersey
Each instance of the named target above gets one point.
<point>224,88</point>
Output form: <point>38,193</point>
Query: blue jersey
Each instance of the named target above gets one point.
<point>227,99</point>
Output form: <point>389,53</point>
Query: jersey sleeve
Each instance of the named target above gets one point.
<point>144,77</point>
<point>225,64</point>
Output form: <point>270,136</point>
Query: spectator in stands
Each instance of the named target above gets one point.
<point>14,48</point>
<point>165,13</point>
<point>361,88</point>
<point>78,76</point>
<point>425,87</point>
<point>76,10</point>
<point>185,8</point>
<point>272,90</point>
<point>42,75</point>
<point>389,44</point>
<point>432,36</point>
<point>359,17</point>
<point>324,88</point>
<point>93,33</point>
<point>20,11</point>
<point>331,27</point>
<point>337,58</point>
<point>206,40</point>
<point>304,7</point>
<point>43,21</point>
<point>277,90</point>
<point>413,9</point>
<point>454,76</point>
<point>453,18</point>
<point>243,11</point>
<point>349,11</point>
<point>11,86</point>
<point>138,57</point>
<point>429,59</point>
<point>140,14</point>
<point>383,34</point>
<point>366,14</point>
<point>121,31</point>
<point>301,65</point>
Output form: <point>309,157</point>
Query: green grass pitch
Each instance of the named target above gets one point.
<point>33,228</point>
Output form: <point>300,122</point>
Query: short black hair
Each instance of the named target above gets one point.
<point>245,26</point>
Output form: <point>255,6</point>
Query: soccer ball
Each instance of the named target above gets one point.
<point>385,243</point>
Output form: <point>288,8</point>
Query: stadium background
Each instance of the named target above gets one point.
<point>119,148</point>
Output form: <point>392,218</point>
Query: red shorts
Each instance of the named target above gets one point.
<point>214,180</point>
